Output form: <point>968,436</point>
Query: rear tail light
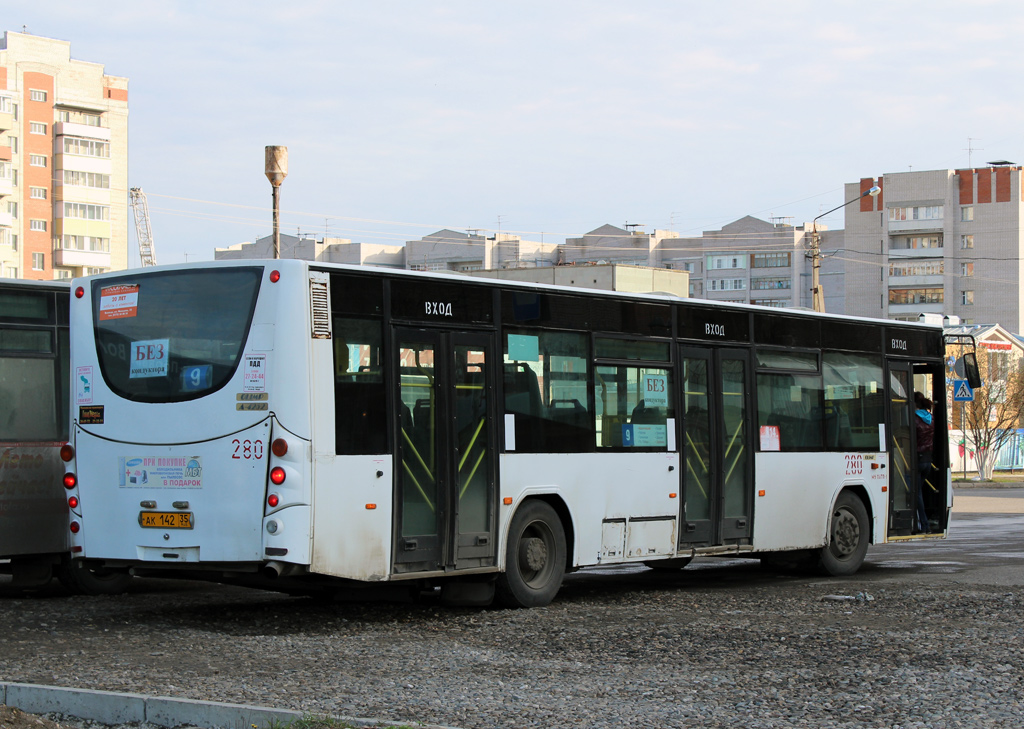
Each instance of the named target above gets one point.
<point>75,527</point>
<point>73,502</point>
<point>79,292</point>
<point>276,475</point>
<point>279,447</point>
<point>70,480</point>
<point>67,452</point>
<point>275,276</point>
<point>273,500</point>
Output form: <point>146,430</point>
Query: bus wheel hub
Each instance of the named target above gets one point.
<point>533,554</point>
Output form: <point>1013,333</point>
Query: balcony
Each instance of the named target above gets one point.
<point>904,309</point>
<point>6,220</point>
<point>935,225</point>
<point>70,257</point>
<point>86,131</point>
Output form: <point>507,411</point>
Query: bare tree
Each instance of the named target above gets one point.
<point>992,418</point>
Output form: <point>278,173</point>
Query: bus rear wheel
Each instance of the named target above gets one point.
<point>847,538</point>
<point>92,581</point>
<point>534,557</point>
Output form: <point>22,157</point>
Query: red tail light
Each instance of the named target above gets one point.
<point>275,276</point>
<point>279,447</point>
<point>277,475</point>
<point>70,480</point>
<point>73,502</point>
<point>75,527</point>
<point>67,452</point>
<point>79,292</point>
<point>273,500</point>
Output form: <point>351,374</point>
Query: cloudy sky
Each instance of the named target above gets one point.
<point>544,118</point>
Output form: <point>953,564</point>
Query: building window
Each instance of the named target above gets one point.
<point>37,128</point>
<point>84,211</point>
<point>967,241</point>
<point>6,105</point>
<point>13,141</point>
<point>14,242</point>
<point>12,208</point>
<point>727,284</point>
<point>37,193</point>
<point>920,212</point>
<point>729,261</point>
<point>37,160</point>
<point>85,243</point>
<point>775,303</point>
<point>38,225</point>
<point>769,260</point>
<point>87,179</point>
<point>967,298</point>
<point>86,147</point>
<point>899,243</point>
<point>37,95</point>
<point>38,261</point>
<point>922,268</point>
<point>61,274</point>
<point>90,271</point>
<point>966,213</point>
<point>766,284</point>
<point>696,288</point>
<point>967,269</point>
<point>915,296</point>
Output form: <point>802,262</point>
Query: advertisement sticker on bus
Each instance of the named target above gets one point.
<point>138,471</point>
<point>149,358</point>
<point>83,385</point>
<point>119,302</point>
<point>254,373</point>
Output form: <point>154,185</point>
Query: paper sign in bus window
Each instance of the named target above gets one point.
<point>656,391</point>
<point>119,302</point>
<point>149,358</point>
<point>523,348</point>
<point>254,373</point>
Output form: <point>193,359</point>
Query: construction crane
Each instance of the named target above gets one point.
<point>143,230</point>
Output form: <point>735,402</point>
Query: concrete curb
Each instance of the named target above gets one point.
<point>110,707</point>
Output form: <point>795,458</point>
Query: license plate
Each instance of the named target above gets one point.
<point>165,519</point>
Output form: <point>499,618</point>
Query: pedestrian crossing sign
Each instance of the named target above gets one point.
<point>962,392</point>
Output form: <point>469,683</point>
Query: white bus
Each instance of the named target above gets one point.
<point>34,383</point>
<point>296,424</point>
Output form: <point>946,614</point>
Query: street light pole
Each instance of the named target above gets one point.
<point>817,294</point>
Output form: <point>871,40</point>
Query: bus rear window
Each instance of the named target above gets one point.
<point>173,336</point>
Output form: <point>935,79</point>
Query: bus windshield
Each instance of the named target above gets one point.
<point>173,336</point>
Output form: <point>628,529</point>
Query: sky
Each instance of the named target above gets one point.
<point>543,118</point>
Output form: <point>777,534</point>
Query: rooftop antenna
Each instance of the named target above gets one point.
<point>971,149</point>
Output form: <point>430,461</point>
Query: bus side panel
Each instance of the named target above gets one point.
<point>352,519</point>
<point>799,490</point>
<point>33,507</point>
<point>597,487</point>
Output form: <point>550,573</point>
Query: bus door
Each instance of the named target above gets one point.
<point>717,453</point>
<point>446,477</point>
<point>902,455</point>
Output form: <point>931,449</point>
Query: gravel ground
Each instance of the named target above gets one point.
<point>725,646</point>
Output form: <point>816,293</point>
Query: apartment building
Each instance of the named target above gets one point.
<point>941,241</point>
<point>63,162</point>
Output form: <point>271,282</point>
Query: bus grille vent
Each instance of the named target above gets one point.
<point>321,306</point>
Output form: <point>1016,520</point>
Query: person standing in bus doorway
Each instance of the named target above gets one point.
<point>925,439</point>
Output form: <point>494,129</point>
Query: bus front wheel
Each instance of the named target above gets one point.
<point>848,537</point>
<point>534,557</point>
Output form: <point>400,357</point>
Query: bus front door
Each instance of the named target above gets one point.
<point>902,454</point>
<point>717,455</point>
<point>446,477</point>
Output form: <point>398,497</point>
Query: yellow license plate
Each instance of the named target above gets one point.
<point>165,519</point>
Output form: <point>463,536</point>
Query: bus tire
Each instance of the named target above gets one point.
<point>848,536</point>
<point>76,577</point>
<point>534,557</point>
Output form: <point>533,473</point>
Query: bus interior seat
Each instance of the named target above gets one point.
<point>648,416</point>
<point>522,391</point>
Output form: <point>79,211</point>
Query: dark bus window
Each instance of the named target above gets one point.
<point>648,351</point>
<point>545,382</point>
<point>854,401</point>
<point>360,407</point>
<point>789,410</point>
<point>633,405</point>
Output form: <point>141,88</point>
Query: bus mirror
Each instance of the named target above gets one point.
<point>971,373</point>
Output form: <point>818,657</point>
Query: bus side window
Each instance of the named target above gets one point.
<point>854,401</point>
<point>360,412</point>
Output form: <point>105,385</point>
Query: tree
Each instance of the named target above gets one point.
<point>992,418</point>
